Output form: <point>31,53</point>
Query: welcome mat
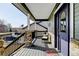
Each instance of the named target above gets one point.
<point>51,53</point>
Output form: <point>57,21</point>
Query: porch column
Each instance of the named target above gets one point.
<point>71,20</point>
<point>28,21</point>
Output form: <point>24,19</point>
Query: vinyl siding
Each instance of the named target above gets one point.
<point>77,21</point>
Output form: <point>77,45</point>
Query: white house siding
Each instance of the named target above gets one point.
<point>51,28</point>
<point>77,21</point>
<point>51,31</point>
<point>49,25</point>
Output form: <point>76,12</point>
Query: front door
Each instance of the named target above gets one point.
<point>62,29</point>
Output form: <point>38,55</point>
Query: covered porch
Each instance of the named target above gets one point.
<point>49,35</point>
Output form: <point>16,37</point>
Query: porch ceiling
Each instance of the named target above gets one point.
<point>39,11</point>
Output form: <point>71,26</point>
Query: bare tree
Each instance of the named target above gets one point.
<point>1,22</point>
<point>9,27</point>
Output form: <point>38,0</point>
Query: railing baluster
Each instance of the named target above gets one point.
<point>13,46</point>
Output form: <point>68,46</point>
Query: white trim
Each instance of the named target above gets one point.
<point>71,24</point>
<point>71,20</point>
<point>58,8</point>
<point>60,54</point>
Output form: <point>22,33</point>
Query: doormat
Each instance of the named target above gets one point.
<point>52,53</point>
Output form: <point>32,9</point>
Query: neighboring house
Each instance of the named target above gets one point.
<point>3,28</point>
<point>17,30</point>
<point>38,27</point>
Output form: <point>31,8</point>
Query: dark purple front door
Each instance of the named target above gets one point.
<point>62,28</point>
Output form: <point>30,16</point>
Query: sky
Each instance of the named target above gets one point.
<point>10,14</point>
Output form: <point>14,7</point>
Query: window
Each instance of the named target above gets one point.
<point>63,22</point>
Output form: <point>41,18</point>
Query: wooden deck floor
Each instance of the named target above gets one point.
<point>39,49</point>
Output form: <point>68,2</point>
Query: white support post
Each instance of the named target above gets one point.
<point>71,24</point>
<point>71,20</point>
<point>28,21</point>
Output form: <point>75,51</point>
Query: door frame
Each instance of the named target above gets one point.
<point>55,26</point>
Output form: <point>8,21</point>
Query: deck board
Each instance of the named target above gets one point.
<point>37,50</point>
